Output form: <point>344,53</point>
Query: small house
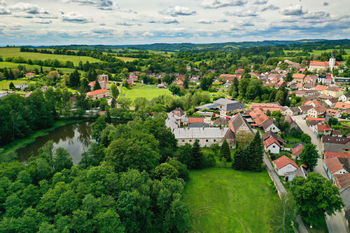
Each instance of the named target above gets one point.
<point>283,165</point>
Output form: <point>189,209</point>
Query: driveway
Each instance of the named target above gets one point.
<point>335,223</point>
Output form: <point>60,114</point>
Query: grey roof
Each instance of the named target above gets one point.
<point>267,123</point>
<point>229,105</point>
<point>198,133</point>
<point>237,122</point>
<point>208,106</point>
<point>221,121</point>
<point>197,125</point>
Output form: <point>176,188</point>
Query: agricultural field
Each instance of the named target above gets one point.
<point>147,91</point>
<point>31,67</point>
<point>15,52</point>
<point>225,200</point>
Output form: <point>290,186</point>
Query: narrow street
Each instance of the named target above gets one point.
<point>335,223</point>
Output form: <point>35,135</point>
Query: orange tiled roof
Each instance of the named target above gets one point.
<point>284,161</point>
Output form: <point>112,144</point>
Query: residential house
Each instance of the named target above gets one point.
<point>238,124</point>
<point>334,166</point>
<point>305,108</point>
<point>287,111</point>
<point>342,106</point>
<point>320,88</point>
<point>344,97</point>
<point>296,150</point>
<point>22,86</point>
<point>337,133</point>
<point>336,144</point>
<point>222,121</point>
<point>299,172</point>
<point>332,113</point>
<point>225,106</point>
<point>272,145</point>
<point>331,101</point>
<point>30,75</point>
<point>317,111</point>
<point>324,130</point>
<point>298,78</point>
<point>310,79</point>
<point>312,122</point>
<point>176,118</point>
<point>97,94</point>
<point>205,135</point>
<point>335,92</point>
<point>330,154</point>
<point>270,134</point>
<point>283,165</point>
<point>262,120</point>
<point>312,103</point>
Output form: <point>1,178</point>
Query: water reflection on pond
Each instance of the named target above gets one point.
<point>75,138</point>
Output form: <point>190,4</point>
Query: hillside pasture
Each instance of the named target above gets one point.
<point>31,68</point>
<point>15,52</point>
<point>225,200</point>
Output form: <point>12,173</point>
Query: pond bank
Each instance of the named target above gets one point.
<point>23,142</point>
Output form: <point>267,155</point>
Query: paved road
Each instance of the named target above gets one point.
<point>335,223</point>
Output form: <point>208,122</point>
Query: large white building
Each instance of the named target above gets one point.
<point>321,66</point>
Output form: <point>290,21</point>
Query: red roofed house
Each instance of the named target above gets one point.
<point>299,78</point>
<point>333,166</point>
<point>320,88</point>
<point>329,154</point>
<point>324,130</point>
<point>341,105</point>
<point>284,165</point>
<point>272,145</point>
<point>296,150</point>
<point>238,124</point>
<point>317,111</point>
<point>97,94</point>
<point>239,70</point>
<point>30,75</point>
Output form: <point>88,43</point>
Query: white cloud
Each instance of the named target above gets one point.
<point>215,4</point>
<point>260,2</point>
<point>248,13</point>
<point>4,11</point>
<point>100,4</point>
<point>74,17</point>
<point>293,10</point>
<point>179,11</point>
<point>3,3</point>
<point>147,34</point>
<point>270,7</point>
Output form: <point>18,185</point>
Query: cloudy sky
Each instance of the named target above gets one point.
<point>53,22</point>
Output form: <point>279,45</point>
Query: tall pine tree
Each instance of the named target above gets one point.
<point>225,151</point>
<point>240,159</point>
<point>97,85</point>
<point>258,152</point>
<point>197,156</point>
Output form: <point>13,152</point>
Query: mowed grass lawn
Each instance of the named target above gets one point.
<point>147,91</point>
<point>225,200</point>
<point>15,52</point>
<point>5,84</point>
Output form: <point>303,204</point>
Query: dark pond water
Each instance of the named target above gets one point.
<point>75,138</point>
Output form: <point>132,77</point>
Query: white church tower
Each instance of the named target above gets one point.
<point>332,63</point>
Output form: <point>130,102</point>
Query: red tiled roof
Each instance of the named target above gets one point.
<point>96,92</point>
<point>92,84</point>
<point>298,76</point>
<point>192,120</point>
<point>258,116</point>
<point>322,63</point>
<point>329,154</point>
<point>342,105</point>
<point>315,119</point>
<point>298,149</point>
<point>320,88</point>
<point>333,165</point>
<point>322,128</point>
<point>284,161</point>
<point>342,180</point>
<point>268,142</point>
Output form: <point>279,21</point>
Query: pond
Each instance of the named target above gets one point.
<point>75,138</point>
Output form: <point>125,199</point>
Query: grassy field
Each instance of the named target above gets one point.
<point>15,52</point>
<point>225,200</point>
<point>31,67</point>
<point>147,91</point>
<point>4,84</point>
